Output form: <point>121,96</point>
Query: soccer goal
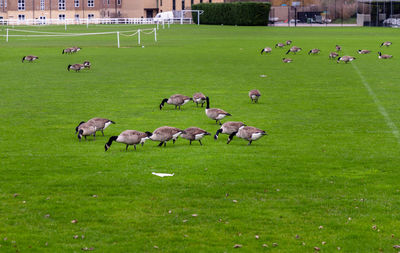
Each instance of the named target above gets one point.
<point>18,33</point>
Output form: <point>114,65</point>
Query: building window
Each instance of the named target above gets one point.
<point>173,4</point>
<point>192,2</point>
<point>119,2</point>
<point>90,16</point>
<point>76,16</point>
<point>90,3</point>
<point>61,17</point>
<point>61,5</point>
<point>108,2</point>
<point>160,2</point>
<point>21,5</point>
<point>201,1</point>
<point>42,5</point>
<point>1,3</point>
<point>21,17</point>
<point>183,4</point>
<point>76,3</point>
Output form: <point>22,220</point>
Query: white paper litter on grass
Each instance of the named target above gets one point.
<point>162,174</point>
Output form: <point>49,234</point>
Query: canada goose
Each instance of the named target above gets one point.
<point>384,56</point>
<point>333,55</point>
<point>338,48</point>
<point>75,49</point>
<point>129,137</point>
<point>280,45</point>
<point>228,128</point>
<point>287,60</point>
<point>288,42</point>
<point>386,43</point>
<point>314,51</point>
<point>266,50</point>
<point>248,133</point>
<point>178,100</point>
<point>215,113</point>
<point>363,51</point>
<point>86,129</point>
<point>294,50</point>
<point>87,64</point>
<point>77,67</point>
<point>346,59</point>
<point>100,124</point>
<point>67,51</point>
<point>254,95</point>
<point>199,98</point>
<point>194,134</point>
<point>29,58</point>
<point>166,133</point>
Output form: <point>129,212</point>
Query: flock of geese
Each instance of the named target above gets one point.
<point>166,133</point>
<point>77,66</point>
<point>332,55</point>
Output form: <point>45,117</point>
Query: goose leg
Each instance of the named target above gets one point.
<point>216,121</point>
<point>102,132</point>
<point>126,149</point>
<point>173,141</point>
<point>197,104</point>
<point>202,104</point>
<point>134,145</point>
<point>165,143</point>
<point>94,136</point>
<point>85,138</point>
<point>200,143</point>
<point>220,123</point>
<point>250,142</point>
<point>190,142</point>
<point>161,143</point>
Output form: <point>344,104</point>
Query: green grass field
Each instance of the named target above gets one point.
<point>327,172</point>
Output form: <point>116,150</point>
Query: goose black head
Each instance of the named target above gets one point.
<point>76,129</point>
<point>23,58</point>
<point>69,66</point>
<point>149,133</point>
<point>163,102</point>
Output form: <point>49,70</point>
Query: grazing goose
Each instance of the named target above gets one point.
<point>75,49</point>
<point>314,51</point>
<point>129,137</point>
<point>346,59</point>
<point>86,129</point>
<point>215,113</point>
<point>100,124</point>
<point>77,67</point>
<point>178,100</point>
<point>248,133</point>
<point>166,133</point>
<point>228,128</point>
<point>287,60</point>
<point>254,95</point>
<point>288,42</point>
<point>338,48</point>
<point>384,56</point>
<point>67,51</point>
<point>199,98</point>
<point>194,134</point>
<point>333,55</point>
<point>386,43</point>
<point>266,50</point>
<point>280,45</point>
<point>294,50</point>
<point>363,51</point>
<point>87,64</point>
<point>29,58</point>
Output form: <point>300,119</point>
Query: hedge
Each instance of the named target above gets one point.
<point>237,13</point>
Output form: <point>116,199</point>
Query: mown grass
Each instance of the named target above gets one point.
<point>327,171</point>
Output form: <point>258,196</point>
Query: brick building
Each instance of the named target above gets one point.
<point>77,9</point>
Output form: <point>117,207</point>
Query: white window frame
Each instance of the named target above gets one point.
<point>61,16</point>
<point>42,5</point>
<point>21,16</point>
<point>77,17</point>
<point>61,5</point>
<point>90,16</point>
<point>90,3</point>
<point>21,5</point>
<point>76,3</point>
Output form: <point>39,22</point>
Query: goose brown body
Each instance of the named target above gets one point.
<point>178,100</point>
<point>194,134</point>
<point>279,45</point>
<point>215,113</point>
<point>199,98</point>
<point>364,51</point>
<point>248,133</point>
<point>287,60</point>
<point>294,50</point>
<point>29,58</point>
<point>166,133</point>
<point>384,56</point>
<point>129,137</point>
<point>85,129</point>
<point>346,59</point>
<point>314,51</point>
<point>77,67</point>
<point>266,50</point>
<point>254,95</point>
<point>229,128</point>
<point>333,55</point>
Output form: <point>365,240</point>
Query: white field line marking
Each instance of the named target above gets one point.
<point>381,109</point>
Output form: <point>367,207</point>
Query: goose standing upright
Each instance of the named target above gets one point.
<point>254,95</point>
<point>215,113</point>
